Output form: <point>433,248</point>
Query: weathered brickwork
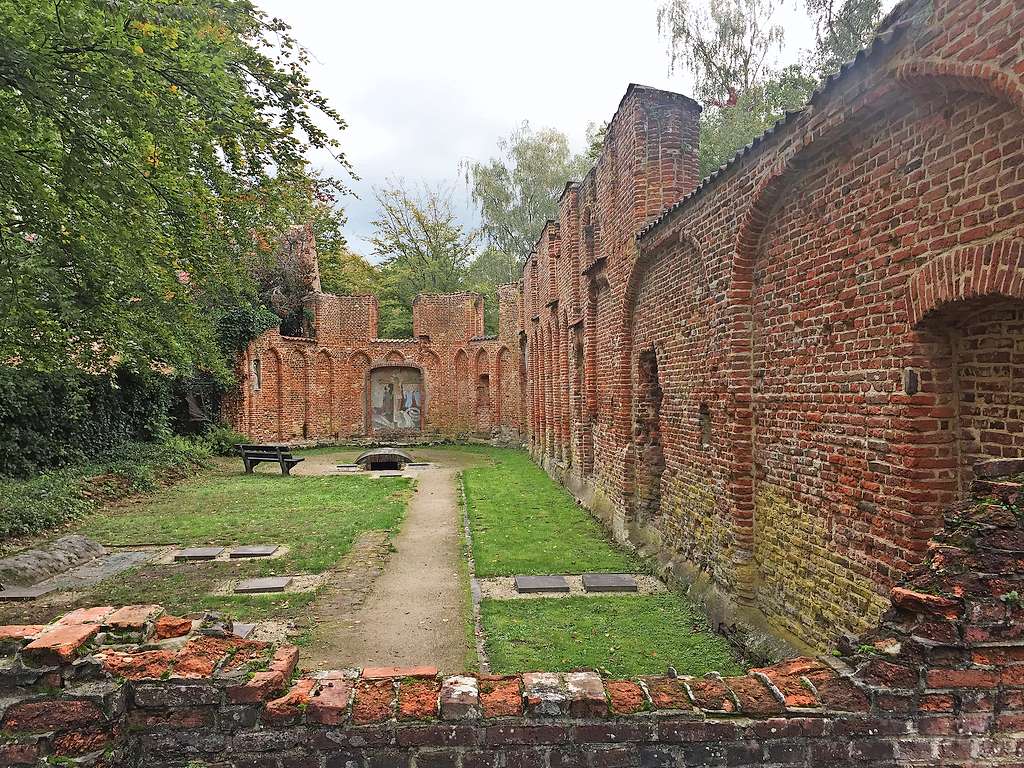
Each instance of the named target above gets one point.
<point>939,681</point>
<point>777,386</point>
<point>317,388</point>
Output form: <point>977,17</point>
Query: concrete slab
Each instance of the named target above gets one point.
<point>194,554</point>
<point>609,582</point>
<point>262,585</point>
<point>242,630</point>
<point>18,594</point>
<point>533,584</point>
<point>253,550</point>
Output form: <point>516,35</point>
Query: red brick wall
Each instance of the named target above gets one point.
<point>939,681</point>
<point>836,322</point>
<point>316,389</point>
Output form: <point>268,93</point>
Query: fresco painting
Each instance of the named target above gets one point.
<point>396,399</point>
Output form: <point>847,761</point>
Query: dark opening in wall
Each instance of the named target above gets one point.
<point>704,422</point>
<point>911,381</point>
<point>650,457</point>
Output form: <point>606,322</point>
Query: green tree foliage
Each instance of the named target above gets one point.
<point>843,28</point>
<point>727,47</point>
<point>57,419</point>
<point>148,152</point>
<point>725,129</point>
<point>346,273</point>
<point>422,248</point>
<point>517,191</point>
<point>730,51</point>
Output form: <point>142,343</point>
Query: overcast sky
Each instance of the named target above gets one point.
<point>426,84</point>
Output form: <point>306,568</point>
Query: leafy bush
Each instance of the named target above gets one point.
<point>221,440</point>
<point>55,419</point>
<point>54,498</point>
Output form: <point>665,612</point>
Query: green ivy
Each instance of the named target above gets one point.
<point>56,419</point>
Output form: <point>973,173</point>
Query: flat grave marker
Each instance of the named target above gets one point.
<point>532,584</point>
<point>18,594</point>
<point>197,554</point>
<point>253,550</point>
<point>263,585</point>
<point>609,582</point>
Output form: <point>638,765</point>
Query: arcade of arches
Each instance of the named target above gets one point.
<point>779,383</point>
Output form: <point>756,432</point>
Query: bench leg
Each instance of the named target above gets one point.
<point>285,469</point>
<point>248,466</point>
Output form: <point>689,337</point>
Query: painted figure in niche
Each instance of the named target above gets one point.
<point>396,399</point>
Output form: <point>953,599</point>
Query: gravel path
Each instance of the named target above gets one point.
<point>414,612</point>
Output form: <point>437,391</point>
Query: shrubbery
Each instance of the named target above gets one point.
<point>57,419</point>
<point>221,440</point>
<point>56,497</point>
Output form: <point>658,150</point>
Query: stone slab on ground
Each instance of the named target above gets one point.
<point>262,585</point>
<point>609,582</point>
<point>504,588</point>
<point>253,550</point>
<point>534,584</point>
<point>18,594</point>
<point>191,554</point>
<point>34,565</point>
<point>92,573</point>
<point>238,629</point>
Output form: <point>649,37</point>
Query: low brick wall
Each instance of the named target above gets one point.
<point>940,681</point>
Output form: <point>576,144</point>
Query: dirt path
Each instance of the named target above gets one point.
<point>414,613</point>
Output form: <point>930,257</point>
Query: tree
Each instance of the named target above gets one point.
<point>422,247</point>
<point>148,150</point>
<point>518,190</point>
<point>843,28</point>
<point>729,50</point>
<point>726,129</point>
<point>345,273</point>
<point>596,133</point>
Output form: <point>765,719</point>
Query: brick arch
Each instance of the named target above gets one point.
<point>923,76</point>
<point>299,399</point>
<point>461,388</point>
<point>972,76</point>
<point>323,378</point>
<point>359,360</point>
<point>991,269</point>
<point>644,262</point>
<point>482,362</point>
<point>278,361</point>
<point>394,357</point>
<point>565,386</point>
<point>504,375</point>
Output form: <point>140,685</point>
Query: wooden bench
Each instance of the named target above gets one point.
<point>257,454</point>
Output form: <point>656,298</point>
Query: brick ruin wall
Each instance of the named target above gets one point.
<point>316,389</point>
<point>939,681</point>
<point>776,387</point>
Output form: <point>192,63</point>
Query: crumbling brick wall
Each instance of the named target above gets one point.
<point>939,681</point>
<point>834,320</point>
<point>317,389</point>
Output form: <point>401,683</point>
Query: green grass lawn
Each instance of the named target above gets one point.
<point>624,635</point>
<point>317,518</point>
<point>525,523</point>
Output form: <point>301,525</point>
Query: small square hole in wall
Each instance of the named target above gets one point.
<point>911,381</point>
<point>704,421</point>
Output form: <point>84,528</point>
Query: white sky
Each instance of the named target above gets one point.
<point>426,84</point>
